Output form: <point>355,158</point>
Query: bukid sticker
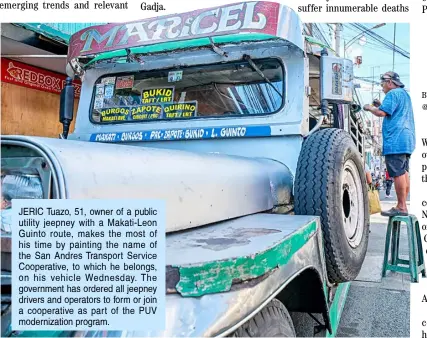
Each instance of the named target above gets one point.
<point>175,76</point>
<point>124,82</point>
<point>157,95</point>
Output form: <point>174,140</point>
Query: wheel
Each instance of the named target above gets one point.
<point>272,321</point>
<point>330,182</point>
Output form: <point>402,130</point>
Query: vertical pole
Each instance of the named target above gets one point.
<point>394,43</point>
<point>338,28</point>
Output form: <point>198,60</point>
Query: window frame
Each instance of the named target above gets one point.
<point>196,118</point>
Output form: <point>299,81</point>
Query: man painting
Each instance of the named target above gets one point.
<point>398,133</point>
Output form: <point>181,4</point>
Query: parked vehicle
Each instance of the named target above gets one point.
<point>244,126</point>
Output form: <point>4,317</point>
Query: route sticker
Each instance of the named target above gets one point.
<point>109,91</point>
<point>99,102</point>
<point>157,95</point>
<point>109,80</point>
<point>124,82</point>
<point>100,89</point>
<point>180,110</point>
<point>175,76</point>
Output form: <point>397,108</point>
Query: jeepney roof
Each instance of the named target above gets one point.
<point>226,24</point>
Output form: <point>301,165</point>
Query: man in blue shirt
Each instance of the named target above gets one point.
<point>398,131</point>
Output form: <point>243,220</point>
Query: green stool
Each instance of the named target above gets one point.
<point>415,264</point>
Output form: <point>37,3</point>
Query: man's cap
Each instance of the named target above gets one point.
<point>393,77</point>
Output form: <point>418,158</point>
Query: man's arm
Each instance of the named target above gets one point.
<point>374,110</point>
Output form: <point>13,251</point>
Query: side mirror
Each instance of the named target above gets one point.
<point>66,107</point>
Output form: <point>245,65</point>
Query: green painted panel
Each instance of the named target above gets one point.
<point>57,31</point>
<point>337,307</point>
<point>218,276</point>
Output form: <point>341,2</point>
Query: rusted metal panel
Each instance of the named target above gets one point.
<point>212,259</point>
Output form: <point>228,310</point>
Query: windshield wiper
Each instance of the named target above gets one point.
<point>260,73</point>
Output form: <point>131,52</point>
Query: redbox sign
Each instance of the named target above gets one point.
<point>245,17</point>
<point>24,75</point>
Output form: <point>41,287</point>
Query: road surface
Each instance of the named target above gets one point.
<point>378,307</point>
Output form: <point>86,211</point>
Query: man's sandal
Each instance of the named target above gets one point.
<point>394,212</point>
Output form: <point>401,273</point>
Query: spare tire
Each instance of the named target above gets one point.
<point>330,182</point>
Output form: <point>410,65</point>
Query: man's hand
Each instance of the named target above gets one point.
<point>374,110</point>
<point>377,103</point>
<point>367,107</point>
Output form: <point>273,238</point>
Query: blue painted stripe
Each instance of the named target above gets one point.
<point>182,134</point>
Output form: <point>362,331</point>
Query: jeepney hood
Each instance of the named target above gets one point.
<point>199,189</point>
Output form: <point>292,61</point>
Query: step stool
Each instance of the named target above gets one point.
<point>415,264</point>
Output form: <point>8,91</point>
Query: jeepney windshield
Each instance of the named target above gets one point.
<point>232,89</point>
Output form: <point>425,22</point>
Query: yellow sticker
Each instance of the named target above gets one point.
<point>157,95</point>
<point>146,112</point>
<point>180,110</point>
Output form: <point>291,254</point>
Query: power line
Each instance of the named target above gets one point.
<point>389,45</point>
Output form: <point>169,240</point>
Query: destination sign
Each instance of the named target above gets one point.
<point>183,134</point>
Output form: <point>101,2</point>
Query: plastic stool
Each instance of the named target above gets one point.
<point>415,264</point>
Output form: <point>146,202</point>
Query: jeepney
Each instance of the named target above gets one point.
<point>248,130</point>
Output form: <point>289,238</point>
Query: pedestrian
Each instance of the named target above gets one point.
<point>388,184</point>
<point>368,175</point>
<point>398,131</point>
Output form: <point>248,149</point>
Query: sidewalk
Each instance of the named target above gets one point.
<point>376,306</point>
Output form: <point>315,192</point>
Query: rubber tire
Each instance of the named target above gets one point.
<point>272,321</point>
<point>318,192</point>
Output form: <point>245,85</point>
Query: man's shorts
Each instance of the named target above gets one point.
<point>397,164</point>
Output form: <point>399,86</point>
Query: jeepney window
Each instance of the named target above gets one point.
<point>224,90</point>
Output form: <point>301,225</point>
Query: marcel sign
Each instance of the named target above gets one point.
<point>24,75</point>
<point>250,17</point>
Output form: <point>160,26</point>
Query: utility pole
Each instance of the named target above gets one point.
<point>338,29</point>
<point>394,43</point>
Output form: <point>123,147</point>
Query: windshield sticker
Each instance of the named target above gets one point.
<point>99,102</point>
<point>175,76</point>
<point>146,112</point>
<point>157,95</point>
<point>180,110</point>
<point>109,80</point>
<point>100,89</point>
<point>124,82</point>
<point>114,114</point>
<point>109,91</point>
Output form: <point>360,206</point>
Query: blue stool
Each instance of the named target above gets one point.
<point>415,264</point>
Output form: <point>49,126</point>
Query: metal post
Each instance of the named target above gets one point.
<point>338,29</point>
<point>394,44</point>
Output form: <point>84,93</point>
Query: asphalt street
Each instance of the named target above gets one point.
<point>376,306</point>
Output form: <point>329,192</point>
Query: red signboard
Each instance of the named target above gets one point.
<point>246,17</point>
<point>24,75</point>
